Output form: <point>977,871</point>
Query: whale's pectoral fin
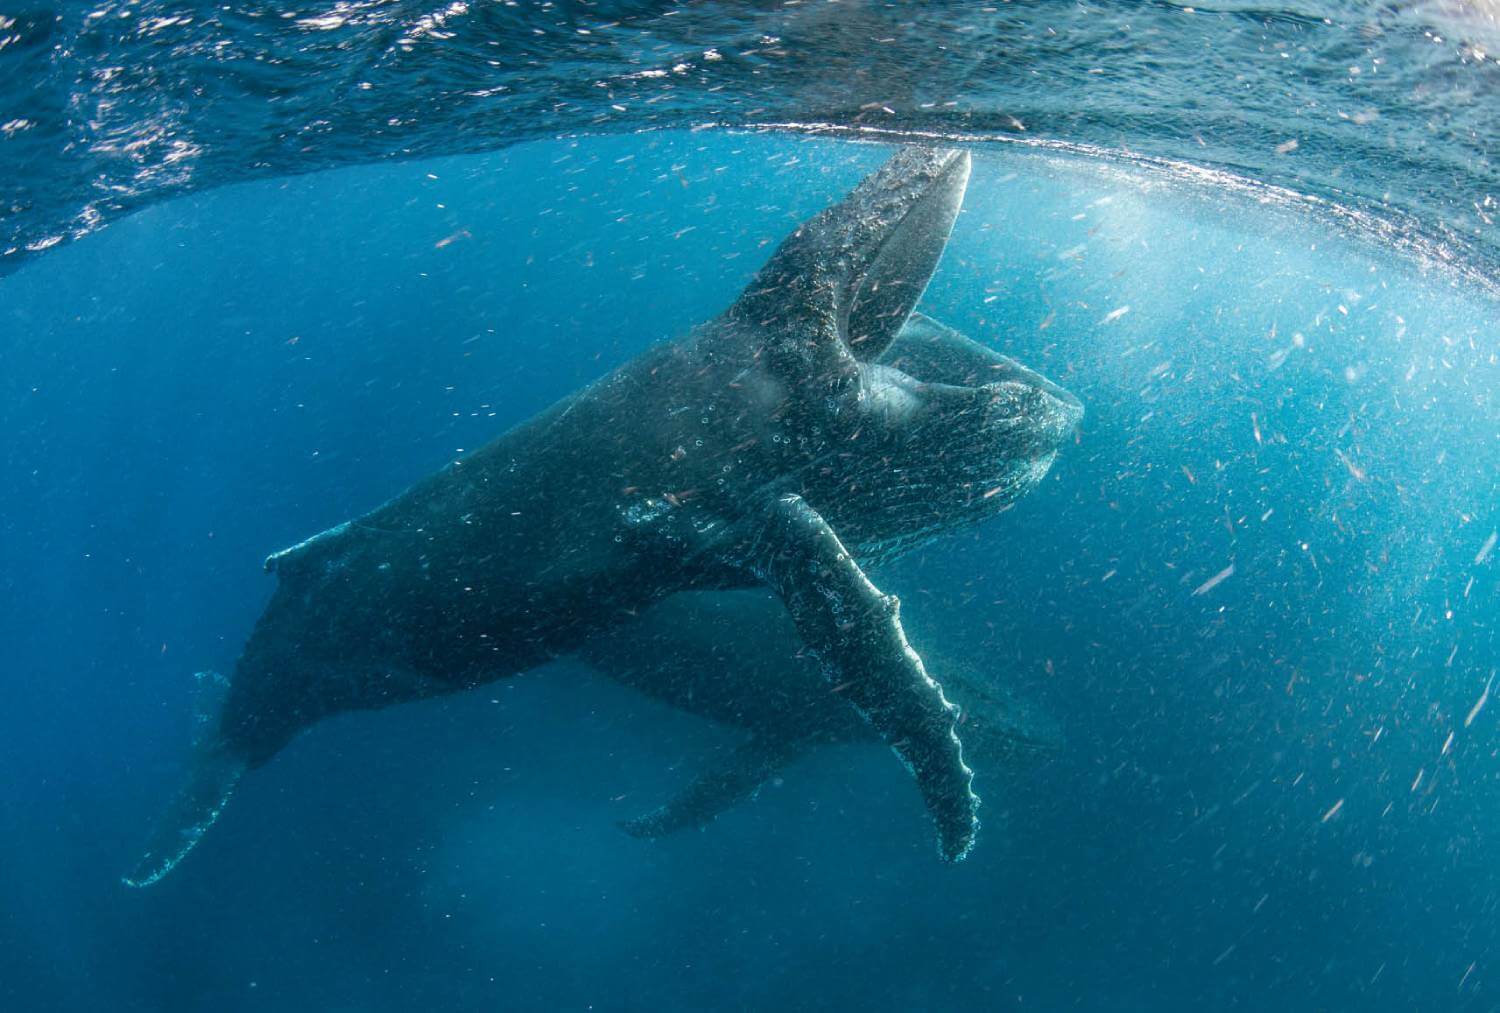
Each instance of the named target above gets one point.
<point>213,772</point>
<point>720,788</point>
<point>847,279</point>
<point>197,804</point>
<point>855,632</point>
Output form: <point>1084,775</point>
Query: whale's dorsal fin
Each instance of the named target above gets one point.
<point>283,561</point>
<point>737,778</point>
<point>852,273</point>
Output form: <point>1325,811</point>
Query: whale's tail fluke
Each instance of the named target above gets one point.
<point>213,772</point>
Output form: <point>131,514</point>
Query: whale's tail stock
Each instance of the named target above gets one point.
<point>213,771</point>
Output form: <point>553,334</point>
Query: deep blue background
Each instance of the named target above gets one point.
<point>221,376</point>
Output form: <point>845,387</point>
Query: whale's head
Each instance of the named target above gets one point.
<point>904,427</point>
<point>955,432</point>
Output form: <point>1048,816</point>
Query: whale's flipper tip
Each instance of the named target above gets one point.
<point>955,849</point>
<point>197,805</point>
<point>213,773</point>
<point>643,827</point>
<point>724,785</point>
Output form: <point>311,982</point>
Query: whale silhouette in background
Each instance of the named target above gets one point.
<point>734,658</point>
<point>769,447</point>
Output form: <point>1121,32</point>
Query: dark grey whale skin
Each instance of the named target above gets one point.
<point>766,447</point>
<point>733,657</point>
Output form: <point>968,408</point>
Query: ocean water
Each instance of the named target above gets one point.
<point>1255,600</point>
<point>112,105</point>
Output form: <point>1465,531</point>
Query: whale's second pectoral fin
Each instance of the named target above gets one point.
<point>213,772</point>
<point>855,632</point>
<point>194,809</point>
<point>720,788</point>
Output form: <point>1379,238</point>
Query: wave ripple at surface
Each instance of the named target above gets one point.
<point>108,107</point>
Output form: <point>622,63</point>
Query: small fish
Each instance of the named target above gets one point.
<point>1473,711</point>
<point>1359,473</point>
<point>1487,548</point>
<point>1214,581</point>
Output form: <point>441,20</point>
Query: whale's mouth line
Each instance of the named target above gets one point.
<point>1013,371</point>
<point>960,366</point>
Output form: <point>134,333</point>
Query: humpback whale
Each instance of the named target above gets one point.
<point>733,657</point>
<point>768,447</point>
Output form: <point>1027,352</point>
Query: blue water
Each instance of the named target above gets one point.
<point>1257,804</point>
